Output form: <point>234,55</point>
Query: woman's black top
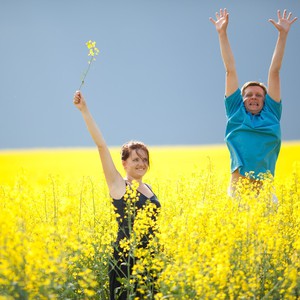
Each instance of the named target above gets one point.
<point>121,208</point>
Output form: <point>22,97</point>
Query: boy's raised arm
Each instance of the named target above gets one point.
<point>221,23</point>
<point>283,26</point>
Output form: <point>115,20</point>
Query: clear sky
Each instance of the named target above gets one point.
<point>159,77</point>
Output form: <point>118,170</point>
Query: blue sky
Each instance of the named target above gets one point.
<point>159,76</point>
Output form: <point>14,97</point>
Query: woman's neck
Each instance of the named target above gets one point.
<point>130,179</point>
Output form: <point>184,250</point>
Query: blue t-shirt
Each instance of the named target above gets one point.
<point>253,140</point>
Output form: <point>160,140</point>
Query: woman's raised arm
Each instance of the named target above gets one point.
<point>113,178</point>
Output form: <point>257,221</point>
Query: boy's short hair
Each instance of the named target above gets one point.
<point>253,83</point>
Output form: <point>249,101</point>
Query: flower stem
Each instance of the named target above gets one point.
<point>85,73</point>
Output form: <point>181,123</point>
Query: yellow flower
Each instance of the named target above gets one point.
<point>93,51</point>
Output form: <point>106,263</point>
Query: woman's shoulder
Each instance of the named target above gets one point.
<point>118,191</point>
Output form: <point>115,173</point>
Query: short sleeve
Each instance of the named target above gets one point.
<point>233,102</point>
<point>273,106</point>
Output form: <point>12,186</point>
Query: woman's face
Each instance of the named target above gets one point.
<point>254,98</point>
<point>136,165</point>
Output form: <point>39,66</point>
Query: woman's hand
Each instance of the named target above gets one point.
<point>79,100</point>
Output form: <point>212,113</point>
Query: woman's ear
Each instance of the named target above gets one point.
<point>124,163</point>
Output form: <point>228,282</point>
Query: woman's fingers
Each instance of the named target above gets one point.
<point>77,97</point>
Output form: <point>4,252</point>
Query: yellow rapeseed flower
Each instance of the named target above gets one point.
<point>57,231</point>
<point>93,51</point>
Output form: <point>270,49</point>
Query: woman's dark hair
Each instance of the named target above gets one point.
<point>128,147</point>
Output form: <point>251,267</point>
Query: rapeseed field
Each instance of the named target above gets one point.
<point>57,225</point>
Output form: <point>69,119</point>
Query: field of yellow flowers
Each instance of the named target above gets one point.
<point>57,225</point>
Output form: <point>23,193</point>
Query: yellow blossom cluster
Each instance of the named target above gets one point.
<point>93,50</point>
<point>57,227</point>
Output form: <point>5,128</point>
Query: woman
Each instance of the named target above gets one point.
<point>135,160</point>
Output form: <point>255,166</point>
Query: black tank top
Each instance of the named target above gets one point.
<point>121,210</point>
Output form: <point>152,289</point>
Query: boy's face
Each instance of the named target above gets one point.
<point>254,98</point>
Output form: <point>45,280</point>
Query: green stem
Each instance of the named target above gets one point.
<point>80,201</point>
<point>85,73</point>
<point>94,206</point>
